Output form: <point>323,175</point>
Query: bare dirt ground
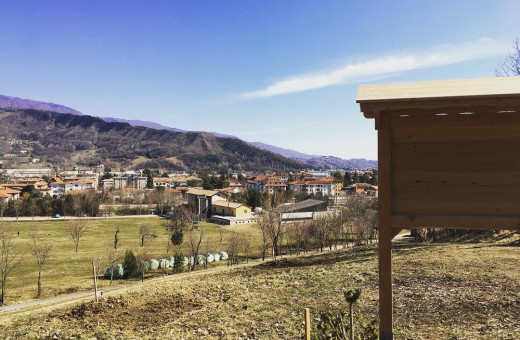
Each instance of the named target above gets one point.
<point>442,291</point>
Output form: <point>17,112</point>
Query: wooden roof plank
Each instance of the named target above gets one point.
<point>440,90</point>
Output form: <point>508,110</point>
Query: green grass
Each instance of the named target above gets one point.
<point>67,271</point>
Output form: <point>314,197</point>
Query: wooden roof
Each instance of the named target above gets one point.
<point>437,94</point>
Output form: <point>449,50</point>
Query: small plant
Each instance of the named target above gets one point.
<point>129,265</point>
<point>334,325</point>
<point>178,263</point>
<point>352,296</point>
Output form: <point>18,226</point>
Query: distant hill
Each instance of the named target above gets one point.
<point>158,126</point>
<point>330,162</point>
<point>68,139</point>
<point>19,103</point>
<point>142,123</point>
<point>284,152</point>
<point>322,162</point>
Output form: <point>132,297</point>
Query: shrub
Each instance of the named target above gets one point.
<point>177,237</point>
<point>178,262</point>
<point>129,265</point>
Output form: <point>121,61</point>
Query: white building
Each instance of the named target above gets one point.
<point>326,188</point>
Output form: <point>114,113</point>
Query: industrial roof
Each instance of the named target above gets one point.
<point>300,205</point>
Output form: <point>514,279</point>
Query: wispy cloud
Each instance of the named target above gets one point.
<point>383,66</point>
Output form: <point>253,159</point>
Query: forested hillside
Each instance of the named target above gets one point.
<point>67,139</point>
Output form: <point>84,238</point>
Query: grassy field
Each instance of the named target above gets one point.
<point>67,271</point>
<point>442,291</point>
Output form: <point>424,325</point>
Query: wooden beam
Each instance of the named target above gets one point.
<point>455,120</point>
<point>396,231</point>
<point>385,228</point>
<point>457,222</point>
<point>389,106</point>
<point>370,114</point>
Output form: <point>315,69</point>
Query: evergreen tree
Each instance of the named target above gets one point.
<point>356,177</point>
<point>374,180</point>
<point>149,176</point>
<point>129,264</point>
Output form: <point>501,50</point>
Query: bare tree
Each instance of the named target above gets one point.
<point>97,260</point>
<point>361,213</point>
<point>3,207</point>
<point>9,259</point>
<point>511,65</point>
<point>246,240</point>
<point>117,241</point>
<point>109,210</point>
<point>146,234</point>
<point>113,257</point>
<point>296,232</point>
<point>176,225</point>
<point>196,233</point>
<point>41,251</point>
<point>142,262</point>
<point>262,224</point>
<point>18,207</point>
<point>273,223</point>
<point>77,228</point>
<point>233,247</point>
<point>209,246</point>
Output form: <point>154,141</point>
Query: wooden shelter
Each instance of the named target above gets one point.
<point>449,157</point>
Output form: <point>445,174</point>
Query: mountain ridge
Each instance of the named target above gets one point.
<point>324,162</point>
<point>68,140</point>
<point>20,103</point>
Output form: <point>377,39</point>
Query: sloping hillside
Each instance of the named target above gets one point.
<point>19,103</point>
<point>67,138</point>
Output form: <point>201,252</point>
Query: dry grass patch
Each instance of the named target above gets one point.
<point>442,291</point>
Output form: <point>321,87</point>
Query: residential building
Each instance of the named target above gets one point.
<point>269,184</point>
<point>107,184</point>
<point>365,189</point>
<point>230,209</point>
<point>199,201</point>
<point>57,186</point>
<point>80,184</point>
<point>120,182</point>
<point>133,182</point>
<point>324,187</point>
<point>231,213</point>
<point>174,182</point>
<point>7,194</point>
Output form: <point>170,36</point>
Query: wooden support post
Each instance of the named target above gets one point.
<point>95,281</point>
<point>307,324</point>
<point>385,229</point>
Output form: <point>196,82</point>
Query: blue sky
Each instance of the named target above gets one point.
<point>280,72</point>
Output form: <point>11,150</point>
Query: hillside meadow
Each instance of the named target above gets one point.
<point>67,271</point>
<point>467,290</point>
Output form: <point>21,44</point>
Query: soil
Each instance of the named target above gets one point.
<point>134,314</point>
